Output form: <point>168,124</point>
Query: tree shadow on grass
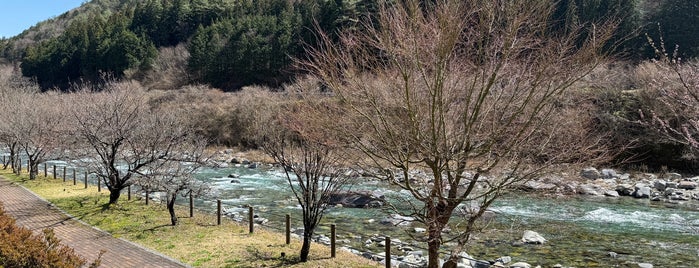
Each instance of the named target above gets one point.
<point>283,258</point>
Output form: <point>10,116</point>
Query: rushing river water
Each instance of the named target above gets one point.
<point>581,232</point>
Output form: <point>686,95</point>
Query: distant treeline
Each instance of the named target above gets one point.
<point>234,43</point>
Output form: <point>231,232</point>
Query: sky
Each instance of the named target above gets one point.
<point>18,15</point>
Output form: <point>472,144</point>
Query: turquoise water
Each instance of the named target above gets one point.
<point>580,231</point>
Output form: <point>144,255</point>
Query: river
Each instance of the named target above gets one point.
<point>581,232</point>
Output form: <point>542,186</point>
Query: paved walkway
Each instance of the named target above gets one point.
<point>36,214</point>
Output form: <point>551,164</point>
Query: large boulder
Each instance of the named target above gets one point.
<point>356,200</point>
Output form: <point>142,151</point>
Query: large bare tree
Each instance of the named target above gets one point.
<point>121,138</point>
<point>310,159</point>
<point>467,93</point>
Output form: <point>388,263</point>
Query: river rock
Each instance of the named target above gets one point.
<point>538,186</point>
<point>235,181</point>
<point>520,265</point>
<point>587,189</point>
<point>410,261</point>
<point>608,173</point>
<point>660,185</point>
<point>611,193</point>
<point>687,185</point>
<point>531,237</point>
<point>673,176</point>
<point>355,200</point>
<point>645,265</point>
<point>397,220</point>
<point>641,191</point>
<point>420,230</point>
<point>233,176</point>
<point>504,259</point>
<point>260,220</point>
<point>590,173</point>
<point>625,189</point>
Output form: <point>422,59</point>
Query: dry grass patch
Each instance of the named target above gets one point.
<point>197,241</point>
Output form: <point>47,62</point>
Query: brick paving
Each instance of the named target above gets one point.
<point>35,213</point>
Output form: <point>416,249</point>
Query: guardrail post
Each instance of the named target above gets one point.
<point>85,179</point>
<point>288,229</point>
<point>250,218</point>
<point>54,171</point>
<point>191,205</point>
<point>332,241</point>
<point>218,212</point>
<point>128,190</point>
<point>45,172</point>
<point>74,179</point>
<point>64,174</point>
<point>388,252</point>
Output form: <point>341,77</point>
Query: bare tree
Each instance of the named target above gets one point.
<point>175,174</point>
<point>674,97</point>
<point>121,138</point>
<point>466,93</point>
<point>41,128</point>
<point>311,162</point>
<point>14,91</point>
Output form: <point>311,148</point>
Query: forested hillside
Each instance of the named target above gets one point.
<point>229,44</point>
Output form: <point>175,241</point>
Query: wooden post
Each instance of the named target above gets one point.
<point>288,229</point>
<point>250,218</point>
<point>388,252</point>
<point>129,193</point>
<point>218,211</point>
<point>85,179</point>
<point>99,185</point>
<point>74,179</point>
<point>54,171</point>
<point>191,205</point>
<point>45,172</point>
<point>147,197</point>
<point>64,174</point>
<point>332,241</point>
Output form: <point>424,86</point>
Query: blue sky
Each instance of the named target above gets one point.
<point>18,15</point>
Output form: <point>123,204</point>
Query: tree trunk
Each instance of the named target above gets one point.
<point>114,194</point>
<point>306,247</point>
<point>433,249</point>
<point>171,208</point>
<point>33,170</point>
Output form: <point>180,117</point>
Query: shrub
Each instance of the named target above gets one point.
<point>21,248</point>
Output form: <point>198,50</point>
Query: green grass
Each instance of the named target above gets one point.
<point>197,241</point>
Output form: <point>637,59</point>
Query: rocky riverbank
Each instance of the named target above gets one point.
<point>670,188</point>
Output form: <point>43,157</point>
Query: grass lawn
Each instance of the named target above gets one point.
<point>197,241</point>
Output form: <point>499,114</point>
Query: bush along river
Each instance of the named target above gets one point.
<point>582,227</point>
